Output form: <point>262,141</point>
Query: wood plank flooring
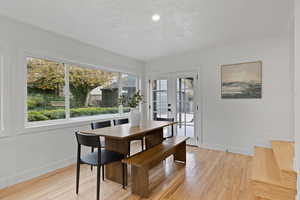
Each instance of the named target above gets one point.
<point>208,175</point>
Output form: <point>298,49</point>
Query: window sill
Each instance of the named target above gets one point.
<point>32,127</point>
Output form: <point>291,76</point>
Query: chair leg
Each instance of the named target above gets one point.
<point>92,150</point>
<point>123,175</point>
<point>77,177</point>
<point>98,182</point>
<point>103,172</point>
<point>142,144</point>
<point>126,174</point>
<point>128,155</point>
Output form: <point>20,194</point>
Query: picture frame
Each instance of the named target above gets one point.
<point>241,80</point>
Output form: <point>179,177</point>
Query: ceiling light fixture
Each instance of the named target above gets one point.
<point>155,17</point>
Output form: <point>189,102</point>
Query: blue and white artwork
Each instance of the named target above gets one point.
<point>242,80</point>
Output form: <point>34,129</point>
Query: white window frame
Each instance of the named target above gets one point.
<point>5,92</point>
<point>2,128</point>
<point>68,119</point>
<point>67,92</point>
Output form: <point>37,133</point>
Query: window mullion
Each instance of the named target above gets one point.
<point>138,88</point>
<point>121,111</point>
<point>67,92</point>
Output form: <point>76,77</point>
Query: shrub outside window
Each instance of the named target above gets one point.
<point>92,91</point>
<point>58,91</point>
<point>45,90</point>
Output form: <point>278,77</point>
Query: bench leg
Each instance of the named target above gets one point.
<point>140,181</point>
<point>180,154</point>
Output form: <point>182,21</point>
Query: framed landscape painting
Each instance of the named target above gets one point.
<point>242,81</point>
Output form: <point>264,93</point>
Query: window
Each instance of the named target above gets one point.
<point>58,91</point>
<point>93,91</point>
<point>129,87</point>
<point>45,90</point>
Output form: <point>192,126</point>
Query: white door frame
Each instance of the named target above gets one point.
<point>172,78</point>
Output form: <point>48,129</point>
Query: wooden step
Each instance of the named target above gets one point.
<point>284,156</point>
<point>266,180</point>
<point>264,167</point>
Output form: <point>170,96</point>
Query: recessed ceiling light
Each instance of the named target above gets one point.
<point>155,17</point>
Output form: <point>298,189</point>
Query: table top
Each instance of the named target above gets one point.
<point>125,131</point>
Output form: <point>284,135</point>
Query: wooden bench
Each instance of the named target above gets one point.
<point>143,161</point>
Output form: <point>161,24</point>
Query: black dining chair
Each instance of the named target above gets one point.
<point>103,124</point>
<point>121,121</point>
<point>98,158</point>
<point>95,125</point>
<point>140,138</point>
<point>167,120</point>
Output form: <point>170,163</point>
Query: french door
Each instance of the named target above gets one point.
<point>185,114</point>
<point>174,96</point>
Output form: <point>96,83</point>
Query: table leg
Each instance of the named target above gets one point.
<point>155,138</point>
<point>180,154</point>
<point>114,170</point>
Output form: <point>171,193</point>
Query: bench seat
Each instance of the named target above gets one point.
<point>143,161</point>
<point>156,153</point>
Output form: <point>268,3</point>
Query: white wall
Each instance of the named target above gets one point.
<point>238,125</point>
<point>30,152</point>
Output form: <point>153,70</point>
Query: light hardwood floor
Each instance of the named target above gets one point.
<point>208,175</point>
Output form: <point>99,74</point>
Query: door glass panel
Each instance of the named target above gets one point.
<point>185,111</point>
<point>160,98</point>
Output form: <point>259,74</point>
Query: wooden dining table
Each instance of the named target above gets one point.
<point>117,138</point>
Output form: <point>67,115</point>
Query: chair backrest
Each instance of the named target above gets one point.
<point>88,140</point>
<point>164,119</point>
<point>121,121</point>
<point>95,125</point>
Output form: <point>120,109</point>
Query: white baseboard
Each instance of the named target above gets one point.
<point>220,147</point>
<point>29,174</point>
<point>217,147</point>
<point>248,152</point>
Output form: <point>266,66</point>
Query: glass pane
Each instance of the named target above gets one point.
<point>45,90</point>
<point>163,85</point>
<point>160,85</point>
<point>155,115</point>
<point>185,114</point>
<point>129,87</point>
<point>188,83</point>
<point>92,92</point>
<point>155,95</point>
<point>154,85</point>
<point>160,98</point>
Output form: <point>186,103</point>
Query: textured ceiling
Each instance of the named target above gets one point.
<point>125,26</point>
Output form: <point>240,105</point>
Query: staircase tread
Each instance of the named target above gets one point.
<point>265,168</point>
<point>284,155</point>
